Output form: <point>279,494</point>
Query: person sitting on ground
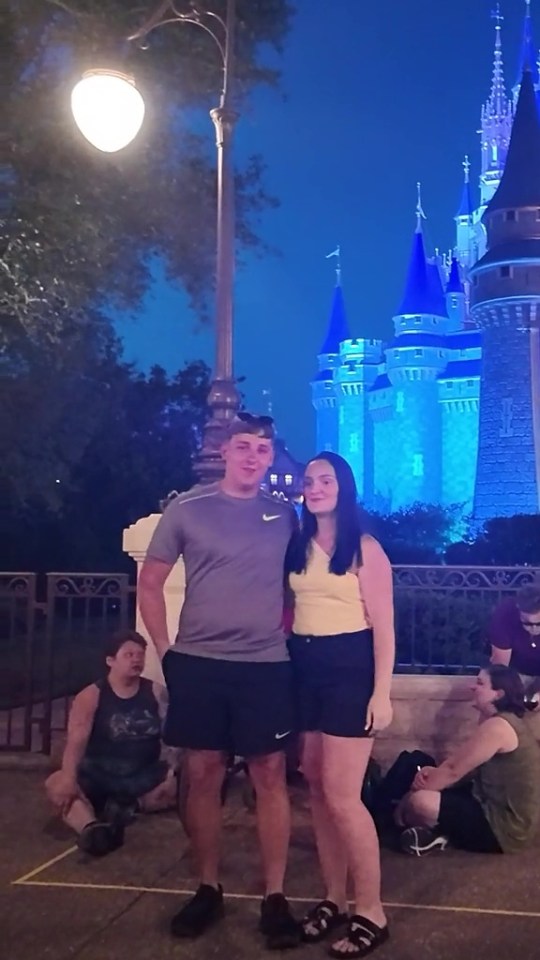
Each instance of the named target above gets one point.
<point>486,796</point>
<point>111,767</point>
<point>514,635</point>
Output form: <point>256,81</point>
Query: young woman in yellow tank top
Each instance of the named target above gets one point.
<point>342,650</point>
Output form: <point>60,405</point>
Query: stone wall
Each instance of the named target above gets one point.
<point>431,713</point>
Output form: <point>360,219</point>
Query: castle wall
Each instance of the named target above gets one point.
<point>459,450</point>
<point>413,448</point>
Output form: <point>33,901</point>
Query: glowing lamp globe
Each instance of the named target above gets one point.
<point>108,109</point>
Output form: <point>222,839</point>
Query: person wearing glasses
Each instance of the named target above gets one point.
<point>228,673</point>
<point>514,635</point>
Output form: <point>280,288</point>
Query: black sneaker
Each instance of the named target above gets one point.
<point>98,839</point>
<point>278,925</point>
<point>198,914</point>
<point>119,812</point>
<point>419,841</point>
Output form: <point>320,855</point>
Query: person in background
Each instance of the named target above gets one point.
<point>514,635</point>
<point>111,767</point>
<point>228,673</point>
<point>342,650</point>
<point>486,796</point>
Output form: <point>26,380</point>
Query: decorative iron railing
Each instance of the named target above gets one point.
<point>52,631</point>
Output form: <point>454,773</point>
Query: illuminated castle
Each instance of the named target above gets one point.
<point>448,411</point>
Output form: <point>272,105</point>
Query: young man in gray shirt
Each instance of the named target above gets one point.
<point>228,673</point>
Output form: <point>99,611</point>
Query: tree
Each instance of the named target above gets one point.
<point>503,541</point>
<point>417,534</point>
<point>144,434</point>
<point>78,228</point>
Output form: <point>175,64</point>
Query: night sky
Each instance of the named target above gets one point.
<point>379,94</point>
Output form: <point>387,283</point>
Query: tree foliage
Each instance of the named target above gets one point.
<point>78,228</point>
<point>140,436</point>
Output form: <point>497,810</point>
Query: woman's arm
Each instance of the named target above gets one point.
<point>376,585</point>
<point>493,736</point>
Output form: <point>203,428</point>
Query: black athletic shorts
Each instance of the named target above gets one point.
<point>242,708</point>
<point>463,821</point>
<point>333,678</point>
<point>101,781</point>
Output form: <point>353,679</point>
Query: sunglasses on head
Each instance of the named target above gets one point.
<point>251,418</point>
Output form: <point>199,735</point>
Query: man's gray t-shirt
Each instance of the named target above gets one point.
<point>234,551</point>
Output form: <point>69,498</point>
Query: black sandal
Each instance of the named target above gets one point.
<point>364,935</point>
<point>325,917</point>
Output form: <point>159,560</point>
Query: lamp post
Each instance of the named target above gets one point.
<point>109,111</point>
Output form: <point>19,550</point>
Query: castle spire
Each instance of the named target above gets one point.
<point>338,327</point>
<point>496,122</point>
<point>520,183</point>
<point>528,56</point>
<point>422,294</point>
<point>466,204</point>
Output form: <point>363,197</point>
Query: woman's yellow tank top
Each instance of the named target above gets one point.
<point>325,603</point>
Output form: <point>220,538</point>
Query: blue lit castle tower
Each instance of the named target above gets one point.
<point>407,414</point>
<point>505,303</point>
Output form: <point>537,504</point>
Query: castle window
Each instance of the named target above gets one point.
<point>419,353</point>
<point>418,465</point>
<point>353,443</point>
<point>288,479</point>
<point>510,216</point>
<point>470,383</point>
<point>505,272</point>
<point>341,416</point>
<point>453,301</point>
<point>273,479</point>
<point>441,354</point>
<point>396,354</point>
<point>448,385</point>
<point>418,320</point>
<point>400,401</point>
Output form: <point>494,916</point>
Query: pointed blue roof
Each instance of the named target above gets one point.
<point>338,328</point>
<point>466,207</point>
<point>520,182</point>
<point>423,288</point>
<point>528,54</point>
<point>455,283</point>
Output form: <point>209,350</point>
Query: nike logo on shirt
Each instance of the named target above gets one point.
<point>271,516</point>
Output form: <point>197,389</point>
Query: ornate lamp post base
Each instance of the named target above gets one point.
<point>223,404</point>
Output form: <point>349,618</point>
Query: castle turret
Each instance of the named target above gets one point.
<point>506,304</point>
<point>456,301</point>
<point>414,359</point>
<point>358,368</point>
<point>323,387</point>
<point>465,236</point>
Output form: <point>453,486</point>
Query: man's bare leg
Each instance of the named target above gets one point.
<point>268,776</point>
<point>206,773</point>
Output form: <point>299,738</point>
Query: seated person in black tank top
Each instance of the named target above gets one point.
<point>112,766</point>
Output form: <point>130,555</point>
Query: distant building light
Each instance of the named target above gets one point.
<point>288,479</point>
<point>273,478</point>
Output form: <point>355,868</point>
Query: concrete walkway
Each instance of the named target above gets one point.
<point>55,904</point>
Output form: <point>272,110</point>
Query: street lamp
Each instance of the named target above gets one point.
<point>109,111</point>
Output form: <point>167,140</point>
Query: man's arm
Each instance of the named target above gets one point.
<point>493,736</point>
<point>81,719</point>
<point>500,656</point>
<point>151,598</point>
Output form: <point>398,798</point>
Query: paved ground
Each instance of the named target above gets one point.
<point>55,904</point>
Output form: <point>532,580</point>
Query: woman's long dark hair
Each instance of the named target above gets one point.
<point>513,692</point>
<point>349,526</point>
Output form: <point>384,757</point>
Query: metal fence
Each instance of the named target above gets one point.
<point>442,614</point>
<point>51,645</point>
<point>52,630</point>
